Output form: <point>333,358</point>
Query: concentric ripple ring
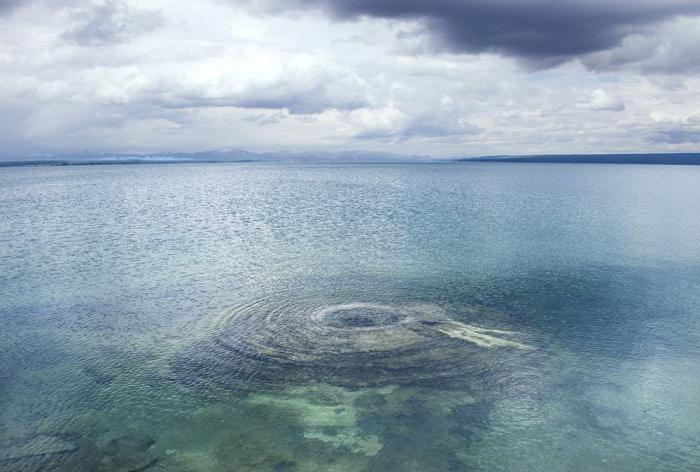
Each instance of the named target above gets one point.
<point>273,344</point>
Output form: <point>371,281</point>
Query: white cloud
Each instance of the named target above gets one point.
<point>600,100</point>
<point>111,21</point>
<point>693,118</point>
<point>156,75</point>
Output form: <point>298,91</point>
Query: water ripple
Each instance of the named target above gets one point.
<point>277,341</point>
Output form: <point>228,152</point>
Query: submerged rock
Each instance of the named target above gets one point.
<point>274,344</point>
<point>302,429</point>
<point>325,414</point>
<point>262,439</point>
<point>285,466</point>
<point>350,439</point>
<point>127,454</point>
<point>37,446</point>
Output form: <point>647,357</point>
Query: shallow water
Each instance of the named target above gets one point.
<point>234,317</point>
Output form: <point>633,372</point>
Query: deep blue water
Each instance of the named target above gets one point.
<point>232,317</point>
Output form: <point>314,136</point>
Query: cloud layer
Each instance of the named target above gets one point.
<point>442,78</point>
<point>112,21</point>
<point>7,5</point>
<point>543,32</point>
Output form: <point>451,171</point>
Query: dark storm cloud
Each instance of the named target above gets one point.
<point>540,31</point>
<point>671,49</point>
<point>8,5</point>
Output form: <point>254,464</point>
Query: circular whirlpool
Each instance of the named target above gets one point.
<point>267,345</point>
<point>361,316</point>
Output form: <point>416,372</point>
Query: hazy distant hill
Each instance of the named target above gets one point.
<point>236,155</point>
<point>239,155</point>
<point>672,159</point>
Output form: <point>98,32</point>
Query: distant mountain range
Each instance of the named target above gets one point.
<point>236,155</point>
<point>239,155</point>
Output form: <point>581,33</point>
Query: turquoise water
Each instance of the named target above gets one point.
<point>235,317</point>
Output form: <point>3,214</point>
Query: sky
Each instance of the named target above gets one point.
<point>438,77</point>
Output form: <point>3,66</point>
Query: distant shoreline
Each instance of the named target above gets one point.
<point>655,159</point>
<point>63,163</point>
<point>659,159</point>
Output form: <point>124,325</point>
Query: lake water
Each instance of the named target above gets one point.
<point>423,317</point>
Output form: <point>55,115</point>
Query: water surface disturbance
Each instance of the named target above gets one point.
<point>272,344</point>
